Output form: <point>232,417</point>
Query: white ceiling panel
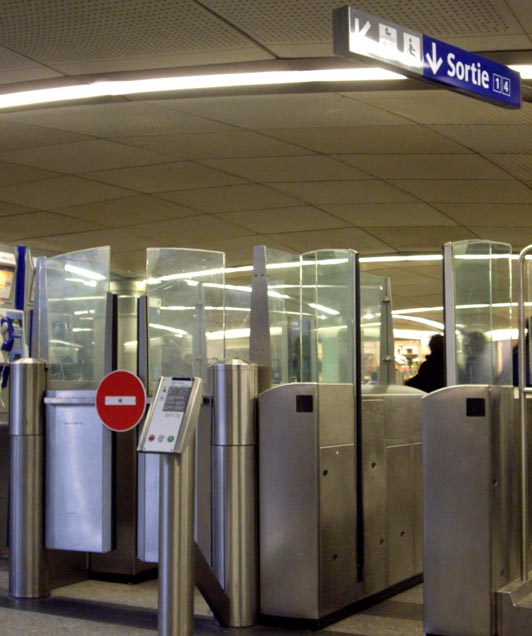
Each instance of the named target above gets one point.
<point>18,135</point>
<point>443,107</point>
<point>17,68</point>
<point>232,198</point>
<point>119,240</point>
<point>521,10</point>
<point>370,139</point>
<point>421,239</point>
<point>111,35</point>
<point>116,119</point>
<point>264,170</point>
<point>488,214</point>
<point>233,144</point>
<point>519,166</point>
<point>518,237</point>
<point>426,166</point>
<point>41,224</point>
<point>83,156</point>
<point>369,191</point>
<point>11,174</point>
<point>12,208</point>
<point>284,219</point>
<point>263,112</point>
<point>491,139</point>
<point>467,191</point>
<point>60,192</point>
<point>128,211</point>
<point>189,230</point>
<point>180,175</point>
<point>344,238</point>
<point>386,214</point>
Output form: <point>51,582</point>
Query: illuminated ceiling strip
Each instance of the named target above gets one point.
<point>192,82</point>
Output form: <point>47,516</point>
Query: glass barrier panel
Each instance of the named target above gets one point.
<point>328,303</point>
<point>237,313</point>
<point>374,305</point>
<point>76,295</point>
<point>283,272</point>
<point>481,313</point>
<point>185,290</point>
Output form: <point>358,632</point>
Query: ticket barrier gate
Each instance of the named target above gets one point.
<point>340,505</point>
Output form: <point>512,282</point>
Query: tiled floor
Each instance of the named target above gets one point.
<point>96,608</point>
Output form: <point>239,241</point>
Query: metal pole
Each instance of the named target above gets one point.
<point>522,361</point>
<point>176,544</point>
<point>28,568</point>
<point>234,488</point>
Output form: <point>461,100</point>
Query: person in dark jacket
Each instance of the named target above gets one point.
<point>431,373</point>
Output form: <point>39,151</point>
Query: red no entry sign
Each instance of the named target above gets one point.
<point>120,400</point>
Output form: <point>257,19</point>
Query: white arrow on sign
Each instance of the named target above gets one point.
<point>434,62</point>
<point>361,32</point>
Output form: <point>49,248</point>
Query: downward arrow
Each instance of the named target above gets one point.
<point>362,32</point>
<point>434,62</point>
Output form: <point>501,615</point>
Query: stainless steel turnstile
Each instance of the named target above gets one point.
<point>470,443</point>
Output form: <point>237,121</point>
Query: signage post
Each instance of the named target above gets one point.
<point>359,35</point>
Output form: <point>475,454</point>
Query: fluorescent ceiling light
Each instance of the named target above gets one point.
<point>401,259</point>
<point>525,70</point>
<point>422,321</point>
<point>82,271</point>
<point>326,310</point>
<point>192,82</point>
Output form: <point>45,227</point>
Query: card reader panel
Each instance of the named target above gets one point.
<point>172,416</point>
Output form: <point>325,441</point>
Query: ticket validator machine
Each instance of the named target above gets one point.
<point>169,431</point>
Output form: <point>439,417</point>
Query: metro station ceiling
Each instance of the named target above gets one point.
<point>385,169</point>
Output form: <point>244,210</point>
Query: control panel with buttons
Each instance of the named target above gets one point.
<point>172,416</point>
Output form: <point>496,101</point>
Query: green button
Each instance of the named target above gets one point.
<point>170,438</point>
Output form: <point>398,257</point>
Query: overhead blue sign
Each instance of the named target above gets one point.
<point>360,35</point>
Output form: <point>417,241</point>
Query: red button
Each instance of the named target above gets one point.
<point>151,438</point>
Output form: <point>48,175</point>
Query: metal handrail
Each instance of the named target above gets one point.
<point>522,373</point>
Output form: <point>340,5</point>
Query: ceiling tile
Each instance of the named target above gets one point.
<point>368,191</point>
<point>119,240</point>
<point>421,239</point>
<point>488,214</point>
<point>83,156</point>
<point>131,263</point>
<point>301,110</point>
<point>389,214</point>
<point>284,219</point>
<point>491,139</point>
<point>181,175</point>
<point>467,191</point>
<point>236,143</point>
<point>41,224</point>
<point>264,170</point>
<point>425,166</point>
<point>12,208</point>
<point>115,119</point>
<point>17,68</point>
<point>239,250</point>
<point>17,136</point>
<point>232,198</point>
<point>189,230</point>
<point>369,140</point>
<point>519,166</point>
<point>443,107</point>
<point>128,211</point>
<point>518,237</point>
<point>344,238</point>
<point>11,174</point>
<point>60,192</point>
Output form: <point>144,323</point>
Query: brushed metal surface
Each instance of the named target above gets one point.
<point>26,390</point>
<point>400,513</point>
<point>288,504</point>
<point>337,528</point>
<point>295,515</point>
<point>203,490</point>
<point>336,409</point>
<point>176,541</point>
<point>234,516</point>
<point>467,471</point>
<point>78,477</point>
<point>28,566</point>
<point>234,389</point>
<point>148,507</point>
<point>417,453</point>
<point>374,496</point>
<point>4,481</point>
